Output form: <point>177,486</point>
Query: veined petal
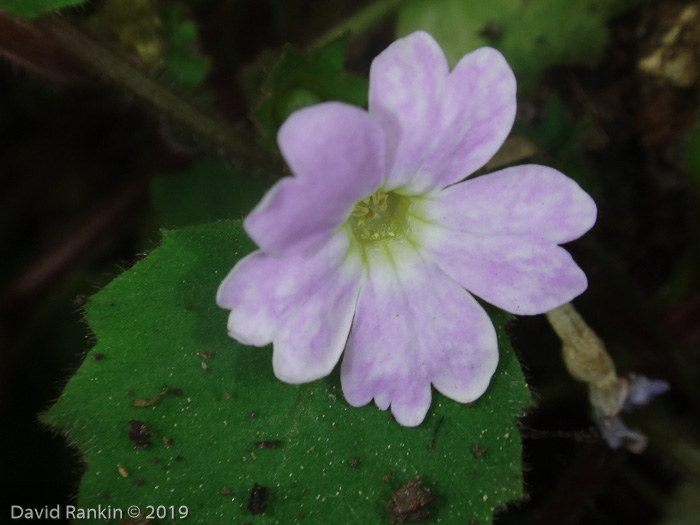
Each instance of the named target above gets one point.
<point>530,200</point>
<point>336,152</point>
<point>522,275</point>
<point>440,126</point>
<point>413,326</point>
<point>304,304</point>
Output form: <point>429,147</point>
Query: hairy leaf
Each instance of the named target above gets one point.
<point>168,410</point>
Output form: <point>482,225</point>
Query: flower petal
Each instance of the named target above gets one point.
<point>336,152</point>
<point>522,275</point>
<point>304,304</point>
<point>414,326</point>
<point>440,127</point>
<point>528,200</point>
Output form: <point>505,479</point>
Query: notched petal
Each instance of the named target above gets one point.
<point>414,326</point>
<point>336,153</point>
<point>440,126</point>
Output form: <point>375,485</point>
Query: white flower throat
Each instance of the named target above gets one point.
<point>380,217</point>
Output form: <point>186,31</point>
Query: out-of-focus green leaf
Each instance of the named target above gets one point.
<point>136,25</point>
<point>34,8</point>
<point>164,37</point>
<point>298,81</point>
<point>183,62</point>
<point>532,34</point>
<point>208,191</point>
<point>225,423</point>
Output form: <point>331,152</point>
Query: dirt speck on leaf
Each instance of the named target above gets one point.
<point>479,451</point>
<point>272,443</point>
<point>409,503</point>
<point>258,499</point>
<point>139,434</point>
<point>147,402</point>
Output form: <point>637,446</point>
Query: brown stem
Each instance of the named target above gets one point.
<point>219,136</point>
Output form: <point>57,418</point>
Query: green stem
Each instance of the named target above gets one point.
<point>359,22</point>
<point>220,137</point>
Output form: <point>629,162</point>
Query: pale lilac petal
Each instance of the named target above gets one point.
<point>531,200</point>
<point>336,153</point>
<point>304,304</point>
<point>522,275</point>
<point>440,127</point>
<point>414,326</point>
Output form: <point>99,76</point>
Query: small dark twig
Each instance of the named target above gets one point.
<point>437,427</point>
<point>222,138</point>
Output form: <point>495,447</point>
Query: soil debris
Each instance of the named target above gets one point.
<point>147,402</point>
<point>409,503</point>
<point>139,434</point>
<point>478,451</point>
<point>431,445</point>
<point>258,499</point>
<point>272,443</point>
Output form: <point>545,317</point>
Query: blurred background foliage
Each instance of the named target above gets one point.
<point>98,151</point>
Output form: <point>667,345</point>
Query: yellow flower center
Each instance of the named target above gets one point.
<point>380,217</point>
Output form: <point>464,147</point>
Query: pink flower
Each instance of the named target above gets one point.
<point>374,247</point>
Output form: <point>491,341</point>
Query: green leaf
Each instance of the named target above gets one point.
<point>226,423</point>
<point>208,191</point>
<point>298,81</point>
<point>532,34</point>
<point>34,8</point>
<point>183,63</point>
